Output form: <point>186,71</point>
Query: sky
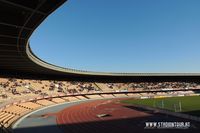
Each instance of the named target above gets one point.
<point>122,36</point>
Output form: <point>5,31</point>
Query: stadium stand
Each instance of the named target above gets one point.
<point>21,91</point>
<point>16,89</point>
<point>44,93</point>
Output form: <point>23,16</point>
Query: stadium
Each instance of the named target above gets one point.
<point>37,96</point>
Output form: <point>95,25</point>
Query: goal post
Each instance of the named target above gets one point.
<point>175,106</point>
<point>178,106</point>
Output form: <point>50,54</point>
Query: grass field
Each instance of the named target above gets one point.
<point>187,104</point>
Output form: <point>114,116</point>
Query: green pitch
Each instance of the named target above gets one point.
<point>187,104</point>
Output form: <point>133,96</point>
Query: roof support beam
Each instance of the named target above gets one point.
<point>14,51</point>
<point>15,26</point>
<point>23,7</point>
<point>10,45</point>
<point>8,36</point>
<point>11,56</point>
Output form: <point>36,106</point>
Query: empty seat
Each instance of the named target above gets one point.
<point>58,100</point>
<point>30,105</point>
<point>94,96</point>
<point>120,95</point>
<point>45,102</point>
<point>107,95</point>
<point>81,97</point>
<point>71,98</point>
<point>14,109</point>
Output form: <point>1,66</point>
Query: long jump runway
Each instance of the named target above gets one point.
<point>97,116</point>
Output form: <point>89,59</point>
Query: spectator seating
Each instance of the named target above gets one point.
<point>70,98</point>
<point>30,105</point>
<point>14,109</point>
<point>94,96</point>
<point>58,100</point>
<point>120,95</point>
<point>22,89</point>
<point>107,96</point>
<point>45,102</point>
<point>81,97</point>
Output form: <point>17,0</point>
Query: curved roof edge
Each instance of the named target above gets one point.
<point>47,65</point>
<point>18,21</point>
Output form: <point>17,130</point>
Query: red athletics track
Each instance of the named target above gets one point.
<point>83,118</point>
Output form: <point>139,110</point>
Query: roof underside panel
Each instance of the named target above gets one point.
<point>19,18</point>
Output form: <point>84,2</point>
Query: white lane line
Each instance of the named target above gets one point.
<point>23,117</point>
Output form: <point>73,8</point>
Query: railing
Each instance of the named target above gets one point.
<point>3,129</point>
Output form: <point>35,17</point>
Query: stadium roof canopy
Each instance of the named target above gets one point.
<point>18,20</point>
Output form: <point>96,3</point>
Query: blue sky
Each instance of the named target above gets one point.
<point>122,36</point>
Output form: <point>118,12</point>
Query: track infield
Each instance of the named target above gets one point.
<point>187,104</point>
